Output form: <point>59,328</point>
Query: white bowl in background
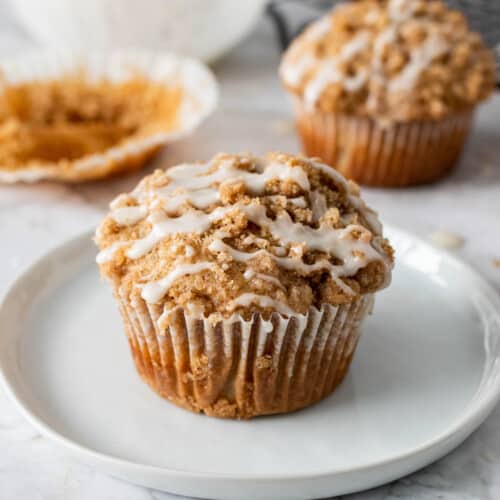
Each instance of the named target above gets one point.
<point>198,28</point>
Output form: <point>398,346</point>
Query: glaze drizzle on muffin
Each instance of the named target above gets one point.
<point>242,234</point>
<point>390,59</point>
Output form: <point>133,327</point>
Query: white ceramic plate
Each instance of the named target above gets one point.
<point>425,376</point>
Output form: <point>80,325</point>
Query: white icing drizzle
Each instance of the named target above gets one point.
<point>120,200</point>
<point>354,83</point>
<point>282,228</point>
<point>318,205</point>
<point>330,70</point>
<point>126,216</point>
<point>372,16</point>
<point>162,226</point>
<point>204,198</point>
<point>401,10</point>
<point>108,253</point>
<point>386,37</point>
<point>279,251</point>
<point>336,176</point>
<point>298,201</point>
<point>291,263</point>
<point>247,299</point>
<point>250,274</point>
<point>389,35</point>
<point>357,44</point>
<point>368,214</point>
<point>326,75</point>
<point>198,185</point>
<point>154,291</point>
<point>297,64</point>
<point>197,191</point>
<point>293,73</point>
<point>195,178</point>
<point>337,242</point>
<point>319,28</point>
<point>431,48</point>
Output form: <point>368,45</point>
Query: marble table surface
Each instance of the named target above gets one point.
<point>461,212</point>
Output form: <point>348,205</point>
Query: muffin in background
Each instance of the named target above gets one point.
<point>385,90</point>
<point>242,282</point>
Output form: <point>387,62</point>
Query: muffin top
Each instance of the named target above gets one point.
<point>395,60</point>
<point>241,234</point>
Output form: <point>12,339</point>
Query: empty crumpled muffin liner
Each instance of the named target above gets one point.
<point>199,99</point>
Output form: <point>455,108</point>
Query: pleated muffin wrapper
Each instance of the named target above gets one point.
<point>377,154</point>
<point>199,100</point>
<point>237,368</point>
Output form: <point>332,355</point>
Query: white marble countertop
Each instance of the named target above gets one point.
<point>36,218</point>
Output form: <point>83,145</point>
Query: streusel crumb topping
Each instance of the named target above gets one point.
<point>397,60</point>
<point>241,234</point>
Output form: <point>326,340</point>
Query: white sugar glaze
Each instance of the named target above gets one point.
<point>193,186</point>
<point>293,73</point>
<point>323,239</point>
<point>299,64</point>
<point>189,251</point>
<point>329,70</point>
<point>154,291</point>
<point>162,226</point>
<point>332,73</point>
<point>193,178</point>
<point>298,201</point>
<point>250,274</point>
<point>247,299</point>
<point>126,216</point>
<point>204,198</point>
<point>108,253</point>
<point>401,10</point>
<point>318,205</point>
<point>431,48</point>
<point>290,263</point>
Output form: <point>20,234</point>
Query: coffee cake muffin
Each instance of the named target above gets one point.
<point>385,90</point>
<point>242,282</point>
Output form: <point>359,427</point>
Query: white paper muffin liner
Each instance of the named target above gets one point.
<point>241,368</point>
<point>396,155</point>
<point>200,96</point>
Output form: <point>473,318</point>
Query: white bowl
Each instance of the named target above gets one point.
<point>199,28</point>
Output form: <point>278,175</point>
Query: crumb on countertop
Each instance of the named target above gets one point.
<point>447,239</point>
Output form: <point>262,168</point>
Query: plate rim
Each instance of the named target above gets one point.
<point>469,420</point>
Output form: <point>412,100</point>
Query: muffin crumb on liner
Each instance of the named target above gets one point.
<point>194,81</point>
